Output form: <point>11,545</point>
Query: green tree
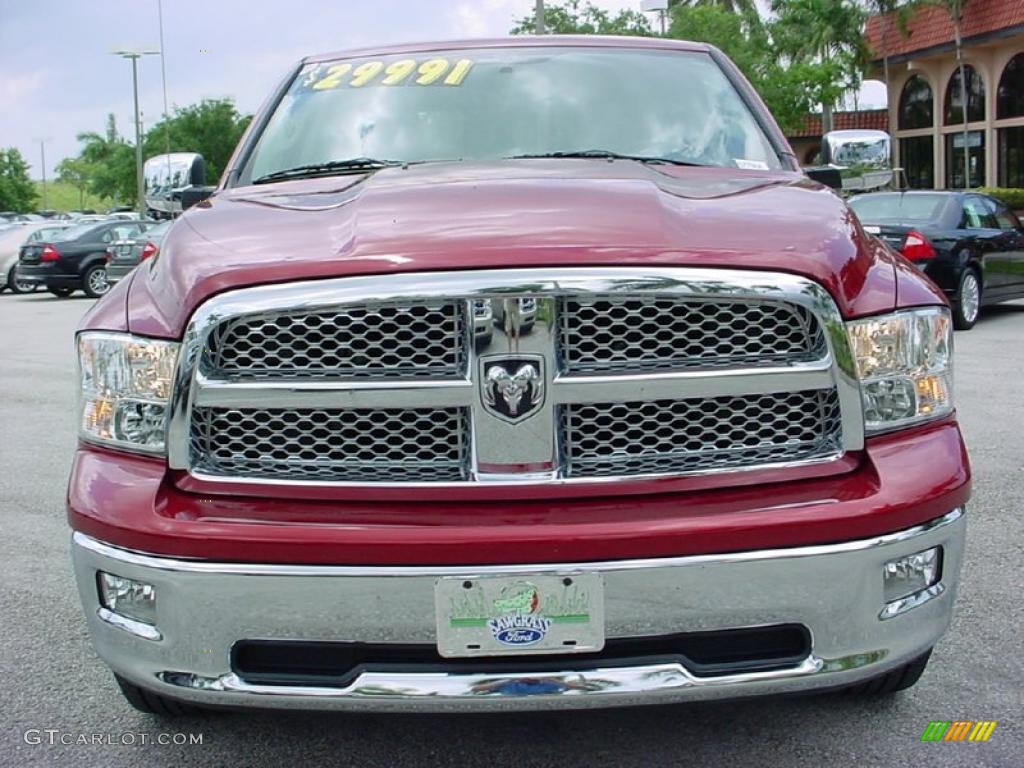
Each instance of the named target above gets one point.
<point>17,192</point>
<point>76,172</point>
<point>576,18</point>
<point>212,128</point>
<point>826,33</point>
<point>741,7</point>
<point>109,162</point>
<point>788,89</point>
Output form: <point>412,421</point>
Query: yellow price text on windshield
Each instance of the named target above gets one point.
<point>432,71</point>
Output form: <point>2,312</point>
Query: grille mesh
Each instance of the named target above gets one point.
<point>380,445</point>
<point>668,436</point>
<point>378,340</point>
<point>613,333</point>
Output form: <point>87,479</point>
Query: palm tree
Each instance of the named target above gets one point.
<point>885,10</point>
<point>955,9</point>
<point>827,31</point>
<point>111,162</point>
<point>732,6</point>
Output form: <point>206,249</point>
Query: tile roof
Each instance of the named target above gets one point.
<point>931,26</point>
<point>869,119</point>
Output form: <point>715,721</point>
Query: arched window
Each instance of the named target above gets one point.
<point>916,104</point>
<point>1010,96</point>
<point>1010,103</point>
<point>975,97</point>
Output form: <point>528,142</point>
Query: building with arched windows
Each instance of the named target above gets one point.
<point>926,108</point>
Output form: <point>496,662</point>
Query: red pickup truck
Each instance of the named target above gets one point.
<point>511,374</point>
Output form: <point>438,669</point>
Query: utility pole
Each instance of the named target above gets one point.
<point>538,18</point>
<point>42,157</point>
<point>135,55</point>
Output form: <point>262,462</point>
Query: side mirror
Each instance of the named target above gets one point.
<point>864,158</point>
<point>827,175</point>
<point>167,177</point>
<point>194,195</point>
<point>197,171</point>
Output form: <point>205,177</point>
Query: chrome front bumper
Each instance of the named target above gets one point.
<point>834,590</point>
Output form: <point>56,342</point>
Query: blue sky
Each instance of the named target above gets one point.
<point>58,77</point>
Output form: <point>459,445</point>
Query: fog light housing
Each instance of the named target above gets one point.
<point>911,580</point>
<point>129,603</point>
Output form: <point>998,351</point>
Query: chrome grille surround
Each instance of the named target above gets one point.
<point>538,450</point>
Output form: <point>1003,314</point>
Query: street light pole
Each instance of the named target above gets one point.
<point>140,203</point>
<point>163,79</point>
<point>42,155</point>
<point>538,18</point>
<point>140,199</point>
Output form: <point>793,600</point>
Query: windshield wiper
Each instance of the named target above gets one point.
<point>330,168</point>
<point>601,153</point>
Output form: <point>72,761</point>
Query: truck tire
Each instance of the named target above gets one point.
<point>155,704</point>
<point>898,679</point>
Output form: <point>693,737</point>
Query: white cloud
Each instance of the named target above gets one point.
<point>15,88</point>
<point>487,17</point>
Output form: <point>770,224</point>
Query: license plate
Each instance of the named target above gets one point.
<point>519,615</point>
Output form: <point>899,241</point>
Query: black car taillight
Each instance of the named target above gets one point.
<point>49,253</point>
<point>917,247</point>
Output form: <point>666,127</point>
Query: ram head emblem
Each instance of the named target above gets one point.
<point>513,395</point>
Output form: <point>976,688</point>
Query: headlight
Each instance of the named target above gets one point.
<point>125,388</point>
<point>905,365</point>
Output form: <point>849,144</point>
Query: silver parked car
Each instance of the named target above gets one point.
<point>124,255</point>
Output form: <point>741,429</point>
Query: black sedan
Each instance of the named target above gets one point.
<point>970,244</point>
<point>124,255</point>
<point>76,259</point>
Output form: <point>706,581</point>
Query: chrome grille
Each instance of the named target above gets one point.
<point>599,334</point>
<point>677,436</point>
<point>639,371</point>
<point>385,340</point>
<point>380,445</point>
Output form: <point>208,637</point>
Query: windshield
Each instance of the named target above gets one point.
<point>487,104</point>
<point>872,209</point>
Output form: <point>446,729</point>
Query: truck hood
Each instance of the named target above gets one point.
<point>532,213</point>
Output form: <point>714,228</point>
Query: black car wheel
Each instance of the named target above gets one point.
<point>95,282</point>
<point>19,286</point>
<point>62,292</point>
<point>967,302</point>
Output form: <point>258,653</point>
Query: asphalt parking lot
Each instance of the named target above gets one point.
<point>50,678</point>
